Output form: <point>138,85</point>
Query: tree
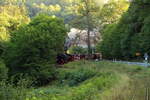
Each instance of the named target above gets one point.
<point>112,11</point>
<point>110,15</point>
<point>33,48</point>
<point>59,8</point>
<point>93,14</point>
<point>131,34</point>
<point>105,46</point>
<point>11,17</point>
<point>85,20</point>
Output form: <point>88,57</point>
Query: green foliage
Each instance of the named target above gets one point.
<point>105,47</point>
<point>112,11</point>
<point>109,77</point>
<point>10,20</point>
<point>85,90</point>
<point>86,14</point>
<point>61,8</point>
<point>76,76</point>
<point>34,47</point>
<point>2,47</point>
<point>3,71</point>
<point>88,90</point>
<point>11,17</point>
<point>130,35</point>
<point>9,91</point>
<point>77,50</point>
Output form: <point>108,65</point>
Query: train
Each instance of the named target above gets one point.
<point>66,58</point>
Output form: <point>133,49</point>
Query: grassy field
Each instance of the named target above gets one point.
<point>89,80</point>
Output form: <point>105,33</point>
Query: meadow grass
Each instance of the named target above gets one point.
<point>90,80</point>
<point>108,81</point>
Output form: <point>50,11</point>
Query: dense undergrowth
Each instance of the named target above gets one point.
<point>82,80</point>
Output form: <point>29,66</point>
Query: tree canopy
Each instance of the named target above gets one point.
<point>130,35</point>
<point>33,48</point>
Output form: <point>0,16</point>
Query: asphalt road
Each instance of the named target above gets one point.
<point>144,64</point>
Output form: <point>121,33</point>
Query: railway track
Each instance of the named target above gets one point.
<point>147,94</point>
<point>137,90</point>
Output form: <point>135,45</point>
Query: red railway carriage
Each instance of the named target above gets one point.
<point>65,58</point>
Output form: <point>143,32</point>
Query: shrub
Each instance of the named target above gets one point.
<point>34,47</point>
<point>75,77</point>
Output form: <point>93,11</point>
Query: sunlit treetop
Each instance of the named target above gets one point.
<point>113,10</point>
<point>11,17</point>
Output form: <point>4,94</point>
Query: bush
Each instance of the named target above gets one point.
<point>75,77</point>
<point>33,48</point>
<point>3,71</point>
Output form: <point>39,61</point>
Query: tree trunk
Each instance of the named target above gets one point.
<point>88,26</point>
<point>88,42</point>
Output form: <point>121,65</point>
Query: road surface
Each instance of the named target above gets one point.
<point>134,63</point>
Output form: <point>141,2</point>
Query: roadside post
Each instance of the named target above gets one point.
<point>146,59</point>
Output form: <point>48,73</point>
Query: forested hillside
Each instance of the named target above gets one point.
<point>60,8</point>
<point>130,36</point>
